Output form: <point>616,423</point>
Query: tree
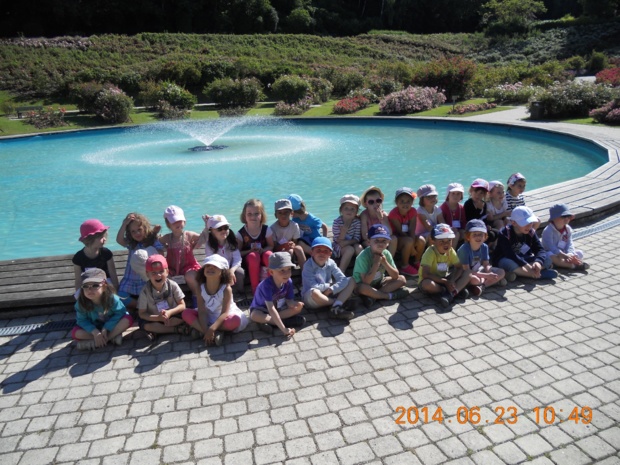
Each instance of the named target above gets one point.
<point>511,15</point>
<point>600,8</point>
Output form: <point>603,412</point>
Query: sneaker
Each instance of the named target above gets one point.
<point>195,334</point>
<point>219,338</point>
<point>475,291</point>
<point>400,294</point>
<point>409,270</point>
<point>446,299</point>
<point>265,328</point>
<point>296,321</point>
<point>464,294</point>
<point>341,313</point>
<point>86,345</point>
<point>502,282</point>
<point>511,276</point>
<point>583,267</point>
<point>548,274</point>
<point>367,301</point>
<point>118,340</point>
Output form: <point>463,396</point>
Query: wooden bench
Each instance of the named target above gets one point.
<point>21,110</point>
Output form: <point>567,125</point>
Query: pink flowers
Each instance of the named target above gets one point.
<point>411,100</point>
<point>461,109</point>
<point>350,105</point>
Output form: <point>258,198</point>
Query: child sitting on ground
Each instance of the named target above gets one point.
<point>371,267</point>
<point>454,213</point>
<point>347,231</point>
<point>442,272</point>
<point>217,312</point>
<point>403,219</point>
<point>286,233</point>
<point>310,226</point>
<point>474,256</point>
<point>161,301</point>
<point>324,284</point>
<point>273,303</point>
<point>519,251</point>
<point>557,239</point>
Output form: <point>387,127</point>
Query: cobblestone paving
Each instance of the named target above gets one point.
<point>334,393</point>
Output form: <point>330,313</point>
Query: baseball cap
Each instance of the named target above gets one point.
<point>514,178</point>
<point>377,231</point>
<point>426,190</point>
<point>442,231</point>
<point>283,204</point>
<point>322,241</point>
<point>279,260</point>
<point>475,226</point>
<point>455,187</point>
<point>93,275</point>
<point>559,210</point>
<point>217,221</point>
<point>90,227</point>
<point>156,263</point>
<point>350,198</point>
<point>480,183</point>
<point>295,201</point>
<point>523,216</point>
<point>174,214</point>
<point>492,184</point>
<point>405,190</point>
<point>216,260</point>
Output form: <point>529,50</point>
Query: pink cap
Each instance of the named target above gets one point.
<point>90,227</point>
<point>174,214</point>
<point>156,263</point>
<point>480,183</point>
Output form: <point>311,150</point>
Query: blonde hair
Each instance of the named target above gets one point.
<point>149,236</point>
<point>257,204</point>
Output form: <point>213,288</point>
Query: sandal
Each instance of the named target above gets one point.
<point>183,329</point>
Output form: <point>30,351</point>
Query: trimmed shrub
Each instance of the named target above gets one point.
<point>607,114</point>
<point>609,76</point>
<point>598,61</point>
<point>167,112</point>
<point>453,75</point>
<point>177,96</point>
<point>321,89</point>
<point>384,86</point>
<point>113,105</point>
<point>292,109</point>
<point>85,95</point>
<point>345,82</point>
<point>572,99</point>
<point>462,109</point>
<point>350,105</point>
<point>510,93</point>
<point>235,93</point>
<point>291,89</point>
<point>46,118</point>
<point>411,100</point>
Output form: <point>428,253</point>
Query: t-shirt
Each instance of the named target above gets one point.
<point>471,258</point>
<point>155,301</point>
<point>423,214</point>
<point>96,318</point>
<point>363,264</point>
<point>310,228</point>
<point>439,263</point>
<point>267,291</point>
<point>457,219</point>
<point>396,217</point>
<point>282,235</point>
<point>100,261</point>
<point>514,201</point>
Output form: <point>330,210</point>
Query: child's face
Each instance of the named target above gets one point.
<point>320,254</point>
<point>280,275</point>
<point>212,270</point>
<point>561,222</point>
<point>478,194</point>
<point>455,197</point>
<point>521,229</point>
<point>252,215</point>
<point>158,278</point>
<point>430,201</point>
<point>284,217</point>
<point>177,226</point>
<point>136,230</point>
<point>518,187</point>
<point>93,291</point>
<point>378,245</point>
<point>221,233</point>
<point>443,246</point>
<point>404,203</point>
<point>373,202</point>
<point>497,193</point>
<point>476,239</point>
<point>348,211</point>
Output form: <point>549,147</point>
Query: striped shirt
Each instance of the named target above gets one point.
<point>514,202</point>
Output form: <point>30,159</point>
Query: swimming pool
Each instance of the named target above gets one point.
<point>51,183</point>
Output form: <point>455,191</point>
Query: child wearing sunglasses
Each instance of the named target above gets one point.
<point>223,241</point>
<point>100,315</point>
<point>372,200</point>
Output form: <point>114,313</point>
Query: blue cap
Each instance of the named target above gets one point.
<point>322,241</point>
<point>442,231</point>
<point>559,210</point>
<point>476,226</point>
<point>295,201</point>
<point>378,230</point>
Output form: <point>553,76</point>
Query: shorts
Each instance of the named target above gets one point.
<point>510,265</point>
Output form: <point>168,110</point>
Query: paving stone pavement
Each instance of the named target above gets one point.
<point>527,367</point>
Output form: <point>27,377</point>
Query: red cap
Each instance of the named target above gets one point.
<point>156,263</point>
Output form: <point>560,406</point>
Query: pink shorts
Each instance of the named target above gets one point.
<point>231,322</point>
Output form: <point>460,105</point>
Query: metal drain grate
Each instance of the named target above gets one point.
<point>595,229</point>
<point>37,328</point>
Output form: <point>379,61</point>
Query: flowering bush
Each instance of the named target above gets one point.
<point>513,93</point>
<point>366,93</point>
<point>166,111</point>
<point>85,94</point>
<point>609,76</point>
<point>177,96</point>
<point>461,109</point>
<point>292,109</point>
<point>321,89</point>
<point>411,100</point>
<point>46,118</point>
<point>607,114</point>
<point>572,99</point>
<point>232,112</point>
<point>350,105</point>
<point>113,105</point>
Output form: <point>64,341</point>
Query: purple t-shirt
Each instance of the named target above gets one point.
<point>267,291</point>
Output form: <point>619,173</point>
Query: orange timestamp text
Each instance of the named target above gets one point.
<point>503,415</point>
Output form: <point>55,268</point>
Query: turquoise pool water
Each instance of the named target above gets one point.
<point>51,183</point>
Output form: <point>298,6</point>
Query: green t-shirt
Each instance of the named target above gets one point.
<point>439,263</point>
<point>363,264</point>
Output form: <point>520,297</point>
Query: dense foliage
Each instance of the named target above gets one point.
<point>510,93</point>
<point>607,114</point>
<point>291,89</point>
<point>46,118</point>
<point>293,109</point>
<point>573,99</point>
<point>609,76</point>
<point>350,105</point>
<point>411,100</point>
<point>234,93</point>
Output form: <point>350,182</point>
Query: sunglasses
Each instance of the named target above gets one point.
<point>91,286</point>
<point>373,201</point>
<point>223,228</point>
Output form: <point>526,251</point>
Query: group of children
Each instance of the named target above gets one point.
<point>456,250</point>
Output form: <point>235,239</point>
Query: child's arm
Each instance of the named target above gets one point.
<point>364,229</point>
<point>193,239</point>
<point>77,271</point>
<point>425,221</point>
<point>118,311</point>
<point>269,246</point>
<point>165,241</point>
<point>412,226</point>
<point>120,235</point>
<point>324,229</point>
<point>367,278</point>
<point>440,218</point>
<point>210,332</point>
<point>391,270</point>
<point>397,227</point>
<point>112,270</point>
<point>175,310</point>
<point>275,317</point>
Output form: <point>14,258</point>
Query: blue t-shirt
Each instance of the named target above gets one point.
<point>267,291</point>
<point>310,228</point>
<point>473,259</point>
